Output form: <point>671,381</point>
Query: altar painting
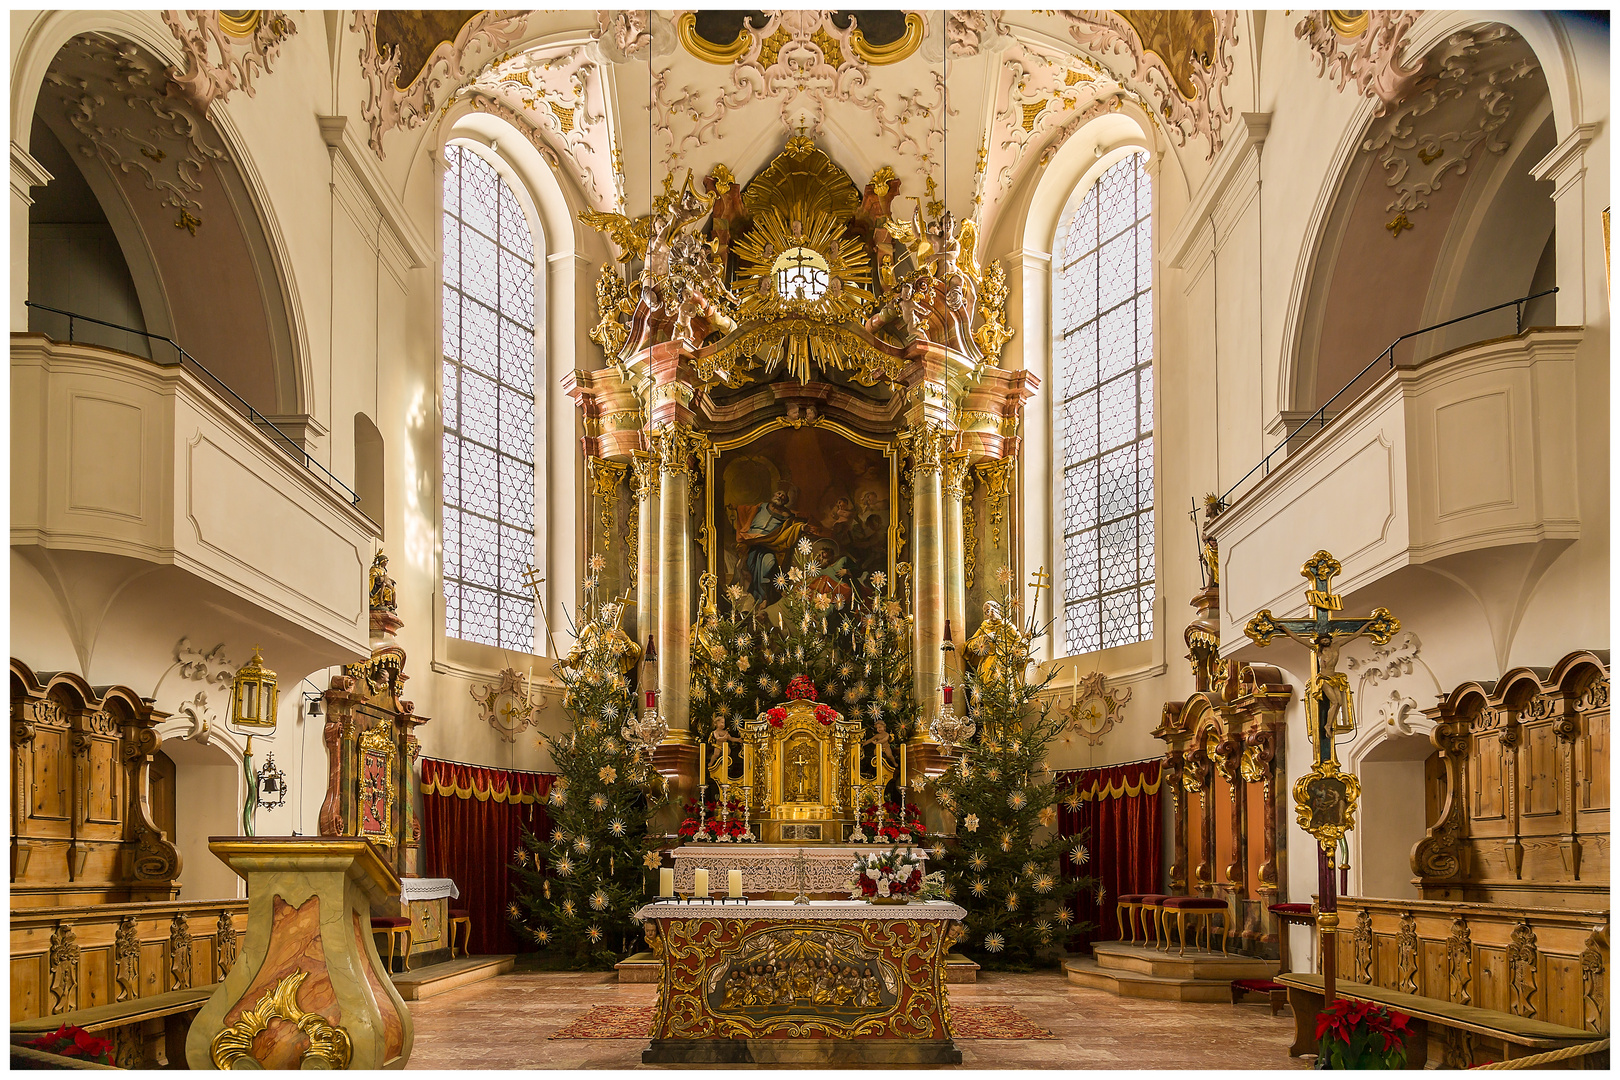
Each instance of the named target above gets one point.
<point>781,486</point>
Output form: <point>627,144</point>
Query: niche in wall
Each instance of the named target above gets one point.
<point>368,470</point>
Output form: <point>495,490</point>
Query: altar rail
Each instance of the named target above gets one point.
<point>67,958</point>
<point>1547,964</point>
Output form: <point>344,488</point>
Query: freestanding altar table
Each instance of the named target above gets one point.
<point>833,982</point>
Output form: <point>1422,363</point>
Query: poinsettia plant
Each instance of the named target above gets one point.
<point>776,717</point>
<point>722,822</point>
<point>800,687</point>
<point>885,874</point>
<point>75,1042</point>
<point>892,825</point>
<point>826,714</point>
<point>1361,1035</point>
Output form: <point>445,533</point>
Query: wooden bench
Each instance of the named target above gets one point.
<point>1473,1035</point>
<point>147,1033</point>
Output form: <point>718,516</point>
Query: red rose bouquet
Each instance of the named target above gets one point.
<point>1361,1035</point>
<point>75,1042</point>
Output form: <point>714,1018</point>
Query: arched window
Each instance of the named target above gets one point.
<point>1102,359</point>
<point>489,423</point>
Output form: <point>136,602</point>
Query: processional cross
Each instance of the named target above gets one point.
<point>1325,798</point>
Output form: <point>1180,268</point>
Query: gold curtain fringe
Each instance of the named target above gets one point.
<point>1099,790</point>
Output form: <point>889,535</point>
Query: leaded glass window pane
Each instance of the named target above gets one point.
<point>488,401</point>
<point>1103,360</point>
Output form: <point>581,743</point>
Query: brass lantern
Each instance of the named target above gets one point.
<point>253,696</point>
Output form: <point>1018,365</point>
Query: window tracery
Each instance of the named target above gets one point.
<point>1102,360</point>
<point>489,406</point>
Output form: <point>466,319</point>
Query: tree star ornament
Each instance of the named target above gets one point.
<point>971,823</point>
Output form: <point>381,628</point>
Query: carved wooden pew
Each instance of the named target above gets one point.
<point>146,1033</point>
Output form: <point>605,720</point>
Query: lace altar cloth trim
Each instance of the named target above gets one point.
<point>788,911</point>
<point>427,888</point>
<point>771,869</point>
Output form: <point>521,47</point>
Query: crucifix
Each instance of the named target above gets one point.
<point>1325,798</point>
<point>1039,580</point>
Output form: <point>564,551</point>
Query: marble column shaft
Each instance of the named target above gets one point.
<point>928,569</point>
<point>648,528</point>
<point>674,584</point>
<point>955,475</point>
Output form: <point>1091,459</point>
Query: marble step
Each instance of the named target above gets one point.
<point>1196,964</point>
<point>435,979</point>
<point>1083,971</point>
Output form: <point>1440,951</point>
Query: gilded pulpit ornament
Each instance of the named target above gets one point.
<point>329,1046</point>
<point>1325,802</point>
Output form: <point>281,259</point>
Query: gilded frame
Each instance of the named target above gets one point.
<point>376,742</point>
<point>716,447</point>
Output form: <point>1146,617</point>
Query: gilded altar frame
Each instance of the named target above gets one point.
<point>825,807</point>
<point>711,455</point>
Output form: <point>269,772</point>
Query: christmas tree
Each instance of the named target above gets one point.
<point>1002,796</point>
<point>848,636</point>
<point>577,887</point>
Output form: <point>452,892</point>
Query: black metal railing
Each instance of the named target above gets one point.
<point>1320,417</point>
<point>183,359</point>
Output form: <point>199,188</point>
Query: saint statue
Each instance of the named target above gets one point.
<point>603,641</point>
<point>996,637</point>
<point>382,586</point>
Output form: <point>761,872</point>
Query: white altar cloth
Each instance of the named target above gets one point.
<point>787,910</point>
<point>769,868</point>
<point>427,888</point>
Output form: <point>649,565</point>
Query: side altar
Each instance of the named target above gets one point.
<point>833,982</point>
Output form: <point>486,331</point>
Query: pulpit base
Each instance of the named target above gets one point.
<point>824,1053</point>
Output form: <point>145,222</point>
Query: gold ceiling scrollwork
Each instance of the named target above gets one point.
<point>882,45</point>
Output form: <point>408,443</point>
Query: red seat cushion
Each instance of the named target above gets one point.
<point>459,914</point>
<point>1291,909</point>
<point>1193,903</point>
<point>1261,986</point>
<point>389,922</point>
<point>1133,898</point>
<point>1155,898</point>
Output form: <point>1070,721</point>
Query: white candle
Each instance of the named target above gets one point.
<point>666,881</point>
<point>734,884</point>
<point>700,882</point>
<point>1074,685</point>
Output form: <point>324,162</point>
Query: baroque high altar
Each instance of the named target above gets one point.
<point>800,376</point>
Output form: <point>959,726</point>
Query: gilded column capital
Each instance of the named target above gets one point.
<point>675,444</point>
<point>956,471</point>
<point>644,474</point>
<point>927,443</point>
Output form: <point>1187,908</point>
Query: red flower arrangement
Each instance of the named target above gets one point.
<point>75,1042</point>
<point>776,717</point>
<point>895,824</point>
<point>825,713</point>
<point>721,822</point>
<point>800,687</point>
<point>1361,1035</point>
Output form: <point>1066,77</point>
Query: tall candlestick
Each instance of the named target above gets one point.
<point>666,881</point>
<point>703,762</point>
<point>902,777</point>
<point>700,882</point>
<point>734,884</point>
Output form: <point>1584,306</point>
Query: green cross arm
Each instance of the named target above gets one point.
<point>1380,626</point>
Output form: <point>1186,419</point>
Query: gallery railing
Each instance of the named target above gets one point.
<point>1320,417</point>
<point>280,438</point>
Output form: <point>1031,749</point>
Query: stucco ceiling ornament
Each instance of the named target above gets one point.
<point>1184,58</point>
<point>1094,707</point>
<point>561,93</point>
<point>1369,59</point>
<point>804,62</point>
<point>389,106</point>
<point>969,33</point>
<point>115,95</point>
<point>1390,663</point>
<point>623,36</point>
<point>1464,101</point>
<point>223,52</point>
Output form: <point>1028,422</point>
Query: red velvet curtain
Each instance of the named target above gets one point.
<point>471,816</point>
<point>1117,809</point>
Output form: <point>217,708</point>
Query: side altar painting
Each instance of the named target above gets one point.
<point>823,484</point>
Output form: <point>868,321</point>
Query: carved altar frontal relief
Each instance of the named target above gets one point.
<point>825,973</point>
<point>779,485</point>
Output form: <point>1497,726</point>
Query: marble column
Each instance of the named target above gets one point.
<point>927,442</point>
<point>674,576</point>
<point>648,527</point>
<point>953,484</point>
